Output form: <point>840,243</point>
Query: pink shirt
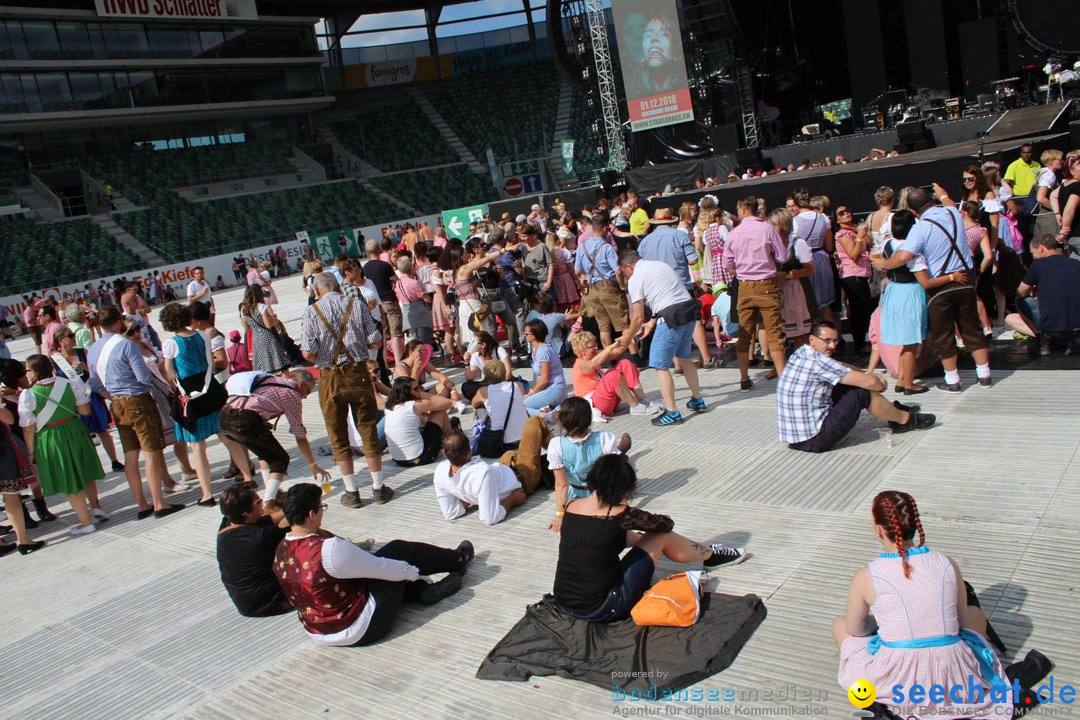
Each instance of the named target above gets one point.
<point>753,250</point>
<point>849,267</point>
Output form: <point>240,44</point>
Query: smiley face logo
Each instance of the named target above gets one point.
<point>862,693</point>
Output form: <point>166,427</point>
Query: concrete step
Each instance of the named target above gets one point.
<point>122,236</point>
<point>445,130</point>
<point>390,198</point>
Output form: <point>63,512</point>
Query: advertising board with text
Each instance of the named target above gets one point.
<point>653,63</point>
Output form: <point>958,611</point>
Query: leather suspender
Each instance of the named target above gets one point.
<point>339,336</point>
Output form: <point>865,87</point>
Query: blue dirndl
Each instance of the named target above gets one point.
<point>192,361</point>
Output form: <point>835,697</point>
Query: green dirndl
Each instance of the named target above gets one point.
<point>65,455</point>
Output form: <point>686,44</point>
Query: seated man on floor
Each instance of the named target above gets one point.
<point>819,399</point>
<point>604,390</point>
<point>463,481</point>
<point>344,595</point>
<point>1055,279</point>
<point>246,543</point>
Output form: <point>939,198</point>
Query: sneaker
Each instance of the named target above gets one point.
<point>99,514</point>
<point>178,487</point>
<point>117,466</point>
<point>985,383</point>
<point>462,408</point>
<point>383,494</point>
<point>725,555</point>
<point>669,418</point>
<point>697,404</point>
<point>598,417</point>
<point>351,499</point>
<point>711,364</point>
<point>746,385</point>
<point>946,387</point>
<point>188,477</point>
<point>467,552</point>
<point>77,531</point>
<point>643,408</point>
<point>917,421</point>
<point>441,590</point>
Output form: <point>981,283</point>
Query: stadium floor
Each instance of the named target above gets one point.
<point>134,623</point>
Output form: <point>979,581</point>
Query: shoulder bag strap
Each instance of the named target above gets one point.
<point>102,363</point>
<point>509,406</point>
<point>952,242</point>
<point>339,336</point>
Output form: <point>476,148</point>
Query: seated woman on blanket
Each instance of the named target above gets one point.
<point>605,390</point>
<point>592,581</point>
<point>572,455</point>
<point>908,622</point>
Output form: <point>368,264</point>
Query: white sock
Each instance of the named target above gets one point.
<point>376,479</point>
<point>350,482</point>
<point>982,371</point>
<point>272,486</point>
<point>265,472</point>
<point>952,377</point>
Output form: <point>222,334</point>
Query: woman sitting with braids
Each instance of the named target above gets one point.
<point>922,630</point>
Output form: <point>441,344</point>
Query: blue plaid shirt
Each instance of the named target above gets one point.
<point>804,393</point>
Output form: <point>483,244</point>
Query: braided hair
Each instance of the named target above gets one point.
<point>897,512</point>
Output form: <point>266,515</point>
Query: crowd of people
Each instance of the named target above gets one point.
<point>622,287</point>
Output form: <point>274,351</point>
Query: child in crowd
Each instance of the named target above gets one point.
<point>237,352</point>
<point>572,455</point>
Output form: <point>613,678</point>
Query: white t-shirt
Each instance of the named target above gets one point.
<point>195,287</point>
<point>477,361</point>
<point>1047,178</point>
<point>369,293</point>
<point>498,396</point>
<point>476,483</point>
<point>657,284</point>
<point>609,445</point>
<point>403,432</point>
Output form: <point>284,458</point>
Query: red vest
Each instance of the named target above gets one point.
<point>325,604</point>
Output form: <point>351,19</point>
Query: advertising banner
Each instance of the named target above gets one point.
<point>568,158</point>
<point>653,63</point>
<point>178,9</point>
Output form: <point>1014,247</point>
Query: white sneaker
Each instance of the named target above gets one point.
<point>99,514</point>
<point>644,408</point>
<point>178,487</point>
<point>76,531</point>
<point>598,417</point>
<point>462,408</point>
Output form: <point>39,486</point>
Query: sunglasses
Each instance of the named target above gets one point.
<point>843,211</point>
<point>968,179</point>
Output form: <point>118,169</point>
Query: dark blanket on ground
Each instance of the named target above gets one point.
<point>548,641</point>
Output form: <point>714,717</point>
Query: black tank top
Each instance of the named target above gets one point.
<point>901,274</point>
<point>589,549</point>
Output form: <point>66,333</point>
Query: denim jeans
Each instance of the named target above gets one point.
<point>552,395</point>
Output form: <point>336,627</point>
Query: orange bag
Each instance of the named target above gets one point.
<point>675,601</point>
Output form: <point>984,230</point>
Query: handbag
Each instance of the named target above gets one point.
<point>675,601</point>
<point>490,443</point>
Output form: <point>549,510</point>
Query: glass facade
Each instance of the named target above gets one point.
<point>68,40</point>
<point>55,92</point>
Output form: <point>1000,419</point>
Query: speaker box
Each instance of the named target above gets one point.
<point>749,158</point>
<point>913,136</point>
<point>608,178</point>
<point>725,139</point>
<point>1074,133</point>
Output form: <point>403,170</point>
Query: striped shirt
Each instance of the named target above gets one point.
<point>271,400</point>
<point>360,331</point>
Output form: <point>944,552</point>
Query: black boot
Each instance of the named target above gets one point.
<point>42,510</point>
<point>31,523</point>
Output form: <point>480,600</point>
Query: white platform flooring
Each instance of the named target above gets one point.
<point>132,622</point>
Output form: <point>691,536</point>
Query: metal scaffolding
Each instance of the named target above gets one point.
<point>746,104</point>
<point>609,102</point>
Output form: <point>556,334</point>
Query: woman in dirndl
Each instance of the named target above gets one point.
<point>16,475</point>
<point>59,445</point>
<point>797,311</point>
<point>70,363</point>
<point>186,356</point>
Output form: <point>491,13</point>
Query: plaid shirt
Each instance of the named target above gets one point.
<point>271,400</point>
<point>714,237</point>
<point>360,332</point>
<point>804,393</point>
